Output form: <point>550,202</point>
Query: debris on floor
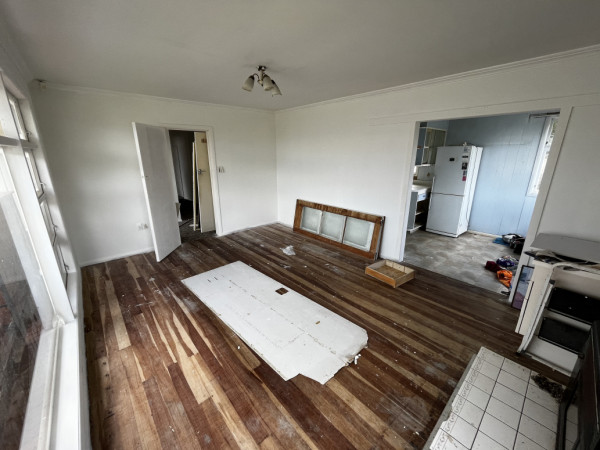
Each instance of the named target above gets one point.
<point>500,241</point>
<point>554,389</point>
<point>507,262</point>
<point>513,240</point>
<point>505,277</point>
<point>503,267</point>
<point>508,238</point>
<point>289,250</point>
<point>492,266</point>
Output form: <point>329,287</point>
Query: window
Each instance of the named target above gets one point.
<point>17,116</point>
<point>542,156</point>
<point>20,323</point>
<point>41,351</point>
<point>38,185</point>
<point>33,171</point>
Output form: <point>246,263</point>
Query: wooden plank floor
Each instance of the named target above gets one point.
<point>164,372</point>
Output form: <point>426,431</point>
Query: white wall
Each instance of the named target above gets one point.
<point>358,152</point>
<point>92,158</point>
<point>573,205</point>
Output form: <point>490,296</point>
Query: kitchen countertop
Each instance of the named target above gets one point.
<point>421,188</point>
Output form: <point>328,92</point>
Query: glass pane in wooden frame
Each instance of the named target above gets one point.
<point>311,220</point>
<point>306,225</point>
<point>332,226</point>
<point>358,233</point>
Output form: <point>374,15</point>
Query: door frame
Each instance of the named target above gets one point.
<point>212,162</point>
<point>540,202</point>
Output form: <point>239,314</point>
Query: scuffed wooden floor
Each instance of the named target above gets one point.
<point>164,372</point>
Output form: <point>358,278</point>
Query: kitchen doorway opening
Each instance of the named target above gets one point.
<point>475,185</point>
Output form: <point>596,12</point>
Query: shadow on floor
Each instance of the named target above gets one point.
<point>186,229</point>
<point>187,232</point>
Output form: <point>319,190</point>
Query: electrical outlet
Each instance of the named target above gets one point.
<point>221,169</point>
<point>142,226</point>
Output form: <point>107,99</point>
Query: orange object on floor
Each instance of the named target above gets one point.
<point>504,277</point>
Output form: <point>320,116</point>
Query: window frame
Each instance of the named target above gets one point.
<point>38,185</point>
<point>57,405</point>
<point>15,108</point>
<point>34,172</point>
<point>541,158</point>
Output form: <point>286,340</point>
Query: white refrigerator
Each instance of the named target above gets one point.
<point>456,170</point>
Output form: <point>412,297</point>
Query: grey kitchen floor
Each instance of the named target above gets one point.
<point>462,258</point>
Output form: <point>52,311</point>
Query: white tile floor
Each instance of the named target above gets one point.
<point>498,406</point>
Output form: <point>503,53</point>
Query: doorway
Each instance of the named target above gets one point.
<point>159,168</point>
<point>193,182</point>
<point>505,185</point>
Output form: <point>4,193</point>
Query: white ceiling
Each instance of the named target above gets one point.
<point>315,49</point>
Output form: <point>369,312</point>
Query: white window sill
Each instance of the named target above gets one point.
<point>57,410</point>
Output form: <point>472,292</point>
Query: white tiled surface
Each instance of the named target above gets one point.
<point>498,406</point>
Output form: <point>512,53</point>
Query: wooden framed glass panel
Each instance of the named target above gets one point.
<point>355,231</point>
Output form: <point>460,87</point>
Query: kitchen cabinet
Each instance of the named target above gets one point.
<point>429,140</point>
<point>419,205</point>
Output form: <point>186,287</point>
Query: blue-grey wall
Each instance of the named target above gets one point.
<point>510,145</point>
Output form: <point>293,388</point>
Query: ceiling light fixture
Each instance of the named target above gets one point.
<point>264,80</point>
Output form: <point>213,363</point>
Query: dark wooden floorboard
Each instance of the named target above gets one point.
<point>165,372</point>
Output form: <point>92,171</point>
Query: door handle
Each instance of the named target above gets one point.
<point>200,171</point>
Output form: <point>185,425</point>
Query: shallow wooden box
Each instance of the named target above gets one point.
<point>390,272</point>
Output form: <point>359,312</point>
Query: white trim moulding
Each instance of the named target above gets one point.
<point>458,76</point>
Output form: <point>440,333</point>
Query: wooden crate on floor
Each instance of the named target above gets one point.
<point>390,272</point>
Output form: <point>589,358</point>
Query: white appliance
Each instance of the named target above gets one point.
<point>456,170</point>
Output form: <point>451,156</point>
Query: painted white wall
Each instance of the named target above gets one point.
<point>358,152</point>
<point>92,157</point>
<point>330,154</point>
<point>573,204</point>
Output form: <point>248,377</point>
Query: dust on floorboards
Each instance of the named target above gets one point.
<point>165,372</point>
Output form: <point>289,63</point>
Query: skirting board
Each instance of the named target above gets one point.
<point>291,333</point>
<point>108,258</point>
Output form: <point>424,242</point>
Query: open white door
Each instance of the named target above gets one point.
<point>156,165</point>
<point>205,194</point>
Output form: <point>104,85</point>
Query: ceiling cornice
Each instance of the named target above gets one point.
<point>90,90</point>
<point>448,78</point>
<point>459,76</point>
